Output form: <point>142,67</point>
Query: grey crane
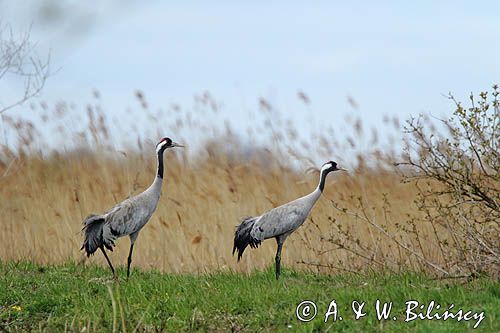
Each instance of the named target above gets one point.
<point>126,218</point>
<point>279,222</point>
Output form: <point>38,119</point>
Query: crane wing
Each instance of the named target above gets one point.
<point>280,220</point>
<point>123,219</point>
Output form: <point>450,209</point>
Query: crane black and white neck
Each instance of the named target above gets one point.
<point>279,222</point>
<point>126,218</point>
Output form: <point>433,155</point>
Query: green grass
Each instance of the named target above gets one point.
<point>73,297</point>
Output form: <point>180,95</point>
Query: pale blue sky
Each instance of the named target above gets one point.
<point>393,57</point>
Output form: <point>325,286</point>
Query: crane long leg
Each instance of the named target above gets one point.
<point>109,262</point>
<point>278,256</point>
<point>129,259</point>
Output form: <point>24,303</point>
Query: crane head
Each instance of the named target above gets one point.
<point>166,143</point>
<point>331,166</point>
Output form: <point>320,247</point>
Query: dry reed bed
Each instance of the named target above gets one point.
<point>366,219</point>
<point>43,201</point>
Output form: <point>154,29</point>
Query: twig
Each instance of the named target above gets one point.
<point>380,229</point>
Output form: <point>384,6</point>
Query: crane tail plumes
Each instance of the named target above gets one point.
<point>242,236</point>
<point>92,225</point>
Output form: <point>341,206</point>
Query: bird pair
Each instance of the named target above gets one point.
<point>130,216</point>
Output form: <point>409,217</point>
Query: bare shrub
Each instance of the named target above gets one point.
<point>450,191</point>
<point>458,181</point>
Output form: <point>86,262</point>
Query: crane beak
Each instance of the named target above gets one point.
<point>175,144</point>
<point>342,169</point>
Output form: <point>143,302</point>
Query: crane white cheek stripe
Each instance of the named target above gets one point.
<point>160,145</point>
<point>326,166</point>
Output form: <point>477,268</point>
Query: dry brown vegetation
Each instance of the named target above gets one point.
<point>366,220</point>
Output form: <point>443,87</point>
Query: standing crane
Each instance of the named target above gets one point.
<point>279,222</point>
<point>126,218</point>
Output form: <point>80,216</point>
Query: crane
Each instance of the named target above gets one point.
<point>279,222</point>
<point>126,218</point>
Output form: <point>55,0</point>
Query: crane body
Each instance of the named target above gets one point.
<point>279,222</point>
<point>126,218</point>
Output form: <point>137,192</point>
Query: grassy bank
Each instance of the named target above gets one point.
<point>76,297</point>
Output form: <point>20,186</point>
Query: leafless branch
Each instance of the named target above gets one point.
<point>370,220</point>
<point>19,59</point>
